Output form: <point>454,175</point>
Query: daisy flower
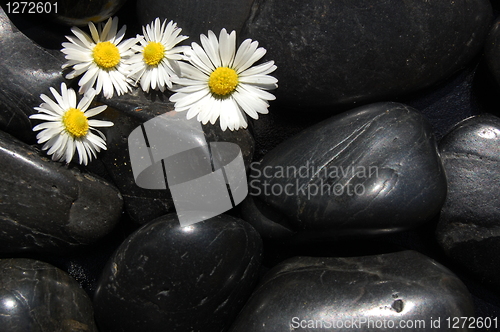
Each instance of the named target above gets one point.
<point>220,82</point>
<point>67,126</point>
<point>156,61</point>
<point>101,57</point>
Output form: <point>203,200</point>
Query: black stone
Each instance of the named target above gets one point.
<point>348,51</point>
<point>404,286</point>
<point>27,70</point>
<point>47,206</point>
<point>492,50</point>
<point>369,171</point>
<point>130,111</point>
<point>81,12</point>
<point>38,297</point>
<point>168,277</point>
<point>468,227</point>
<point>197,17</point>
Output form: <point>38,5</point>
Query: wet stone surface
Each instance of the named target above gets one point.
<point>47,206</point>
<point>28,70</point>
<point>38,297</point>
<point>182,278</point>
<point>341,52</point>
<point>303,291</point>
<point>370,171</point>
<point>469,224</point>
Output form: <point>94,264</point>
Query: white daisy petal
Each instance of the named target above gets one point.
<point>100,123</point>
<point>190,98</point>
<point>262,69</point>
<point>245,50</point>
<point>58,97</point>
<point>259,80</point>
<point>85,102</point>
<point>256,92</point>
<point>94,33</point>
<point>210,45</point>
<point>97,141</point>
<point>245,104</point>
<point>90,75</point>
<point>53,106</point>
<point>43,117</point>
<point>250,60</point>
<point>70,150</point>
<point>206,113</point>
<point>68,128</point>
<point>104,35</point>
<point>191,88</point>
<point>119,36</point>
<point>81,152</point>
<point>48,112</point>
<point>86,41</point>
<point>193,111</point>
<point>227,47</point>
<point>94,111</point>
<point>200,59</point>
<point>192,72</point>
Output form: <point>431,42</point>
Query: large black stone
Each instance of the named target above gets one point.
<point>347,51</point>
<point>27,70</point>
<point>211,15</point>
<point>81,12</point>
<point>38,297</point>
<point>385,290</point>
<point>47,206</point>
<point>369,171</point>
<point>492,50</point>
<point>129,112</point>
<point>168,277</point>
<point>469,224</point>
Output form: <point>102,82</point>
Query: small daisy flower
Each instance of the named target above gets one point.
<point>156,61</point>
<point>67,126</point>
<point>101,57</point>
<point>220,82</point>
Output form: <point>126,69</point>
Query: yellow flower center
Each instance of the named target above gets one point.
<point>153,53</point>
<point>106,55</point>
<point>223,81</point>
<point>75,122</point>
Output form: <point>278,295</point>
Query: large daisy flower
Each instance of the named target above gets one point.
<point>67,126</point>
<point>156,60</point>
<point>101,57</point>
<point>219,81</point>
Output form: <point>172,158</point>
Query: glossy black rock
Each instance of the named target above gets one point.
<point>80,12</point>
<point>403,286</point>
<point>28,70</point>
<point>38,297</point>
<point>212,15</point>
<point>492,50</point>
<point>340,52</point>
<point>46,206</point>
<point>468,227</point>
<point>168,277</point>
<point>372,170</point>
<point>130,111</point>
